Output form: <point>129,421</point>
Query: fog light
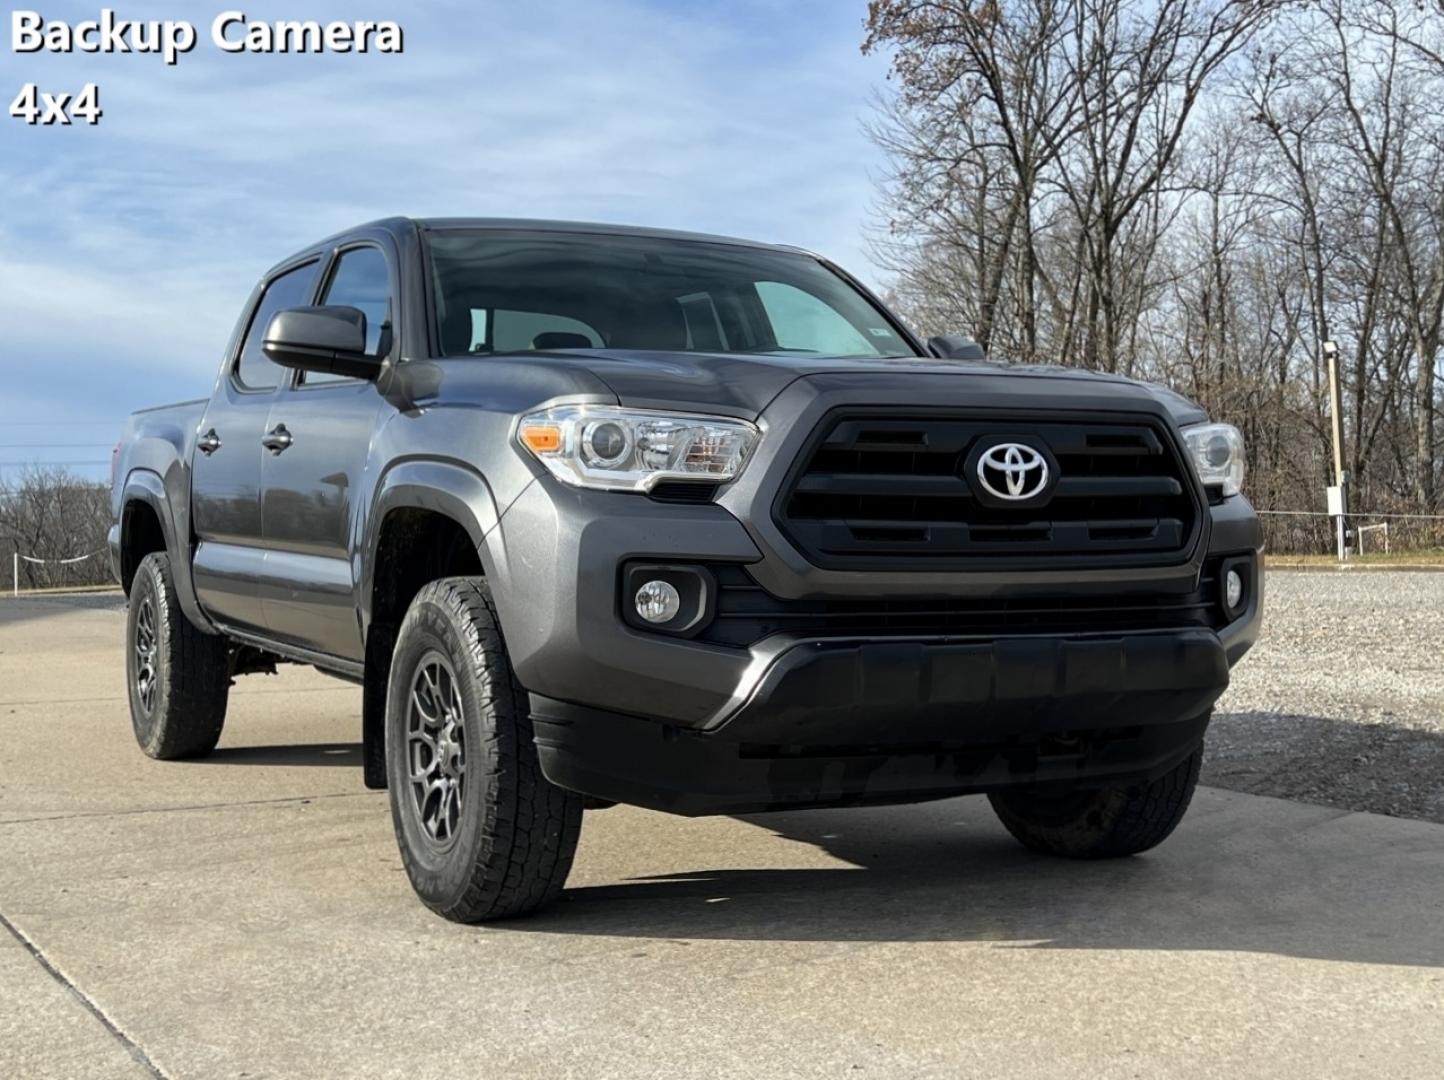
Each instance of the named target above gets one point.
<point>1233,590</point>
<point>658,602</point>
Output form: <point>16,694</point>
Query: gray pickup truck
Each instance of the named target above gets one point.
<point>598,514</point>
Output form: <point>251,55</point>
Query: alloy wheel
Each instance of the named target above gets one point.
<point>146,648</point>
<point>436,749</point>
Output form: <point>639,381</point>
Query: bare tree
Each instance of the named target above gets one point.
<point>1202,192</point>
<point>1045,123</point>
<point>51,514</point>
<point>1141,69</point>
<point>984,105</point>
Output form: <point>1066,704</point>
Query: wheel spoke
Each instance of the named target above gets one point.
<point>146,648</point>
<point>436,754</point>
<point>421,770</point>
<point>433,695</point>
<point>453,810</point>
<point>426,709</point>
<point>421,736</point>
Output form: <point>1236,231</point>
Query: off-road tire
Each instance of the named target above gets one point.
<point>516,833</point>
<point>1101,824</point>
<point>187,681</point>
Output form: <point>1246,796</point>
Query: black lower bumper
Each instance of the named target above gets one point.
<point>853,722</point>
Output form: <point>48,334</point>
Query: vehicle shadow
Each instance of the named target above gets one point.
<point>310,754</point>
<point>1359,763</point>
<point>1241,874</point>
<point>33,607</point>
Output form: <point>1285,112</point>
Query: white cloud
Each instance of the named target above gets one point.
<point>135,242</point>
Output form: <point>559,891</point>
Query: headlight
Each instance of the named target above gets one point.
<point>600,446</point>
<point>1217,451</point>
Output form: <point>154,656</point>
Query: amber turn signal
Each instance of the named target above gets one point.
<point>541,438</point>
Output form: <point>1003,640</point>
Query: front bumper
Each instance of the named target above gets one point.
<point>836,724</point>
<point>693,727</point>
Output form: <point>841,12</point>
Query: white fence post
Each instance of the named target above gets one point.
<point>15,571</point>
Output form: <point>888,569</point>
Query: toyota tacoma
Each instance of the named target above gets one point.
<point>598,514</point>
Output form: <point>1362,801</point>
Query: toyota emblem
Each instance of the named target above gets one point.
<point>1013,471</point>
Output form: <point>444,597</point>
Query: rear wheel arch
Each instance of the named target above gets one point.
<point>145,526</point>
<point>144,491</point>
<point>141,534</point>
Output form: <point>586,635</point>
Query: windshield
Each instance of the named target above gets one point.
<point>504,292</point>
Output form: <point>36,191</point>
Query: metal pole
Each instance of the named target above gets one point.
<point>15,572</point>
<point>1336,408</point>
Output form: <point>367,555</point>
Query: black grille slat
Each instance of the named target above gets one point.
<point>1076,486</point>
<point>883,484</point>
<point>746,613</point>
<point>684,491</point>
<point>1040,537</point>
<point>888,489</point>
<point>1022,611</point>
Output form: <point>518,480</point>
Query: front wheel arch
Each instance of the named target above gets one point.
<point>413,545</point>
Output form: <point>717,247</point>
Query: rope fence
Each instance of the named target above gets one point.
<point>16,559</point>
<point>1286,532</point>
<point>1325,513</point>
<point>1311,532</point>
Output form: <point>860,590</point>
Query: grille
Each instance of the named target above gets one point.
<point>684,491</point>
<point>746,613</point>
<point>884,490</point>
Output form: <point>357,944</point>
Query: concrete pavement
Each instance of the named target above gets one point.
<point>248,916</point>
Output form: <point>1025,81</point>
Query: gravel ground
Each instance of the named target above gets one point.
<point>1342,701</point>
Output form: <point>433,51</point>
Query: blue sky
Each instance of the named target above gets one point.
<point>126,249</point>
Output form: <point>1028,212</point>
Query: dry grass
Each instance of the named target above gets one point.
<point>1393,560</point>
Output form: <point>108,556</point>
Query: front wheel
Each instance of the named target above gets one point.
<point>1102,824</point>
<point>483,834</point>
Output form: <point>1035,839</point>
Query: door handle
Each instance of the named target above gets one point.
<point>277,439</point>
<point>209,443</point>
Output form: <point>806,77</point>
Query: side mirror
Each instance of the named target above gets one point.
<point>956,347</point>
<point>331,340</point>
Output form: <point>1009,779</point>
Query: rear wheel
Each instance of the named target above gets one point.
<point>1104,823</point>
<point>483,834</point>
<point>178,677</point>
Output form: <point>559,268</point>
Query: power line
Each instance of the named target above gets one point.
<point>64,464</point>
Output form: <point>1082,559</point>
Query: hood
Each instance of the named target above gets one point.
<point>741,384</point>
<point>727,384</point>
